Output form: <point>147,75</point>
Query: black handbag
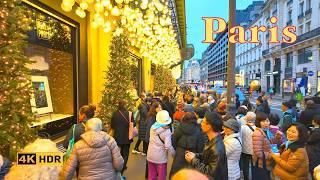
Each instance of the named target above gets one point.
<point>260,173</point>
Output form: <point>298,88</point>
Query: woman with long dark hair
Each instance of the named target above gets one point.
<point>120,121</point>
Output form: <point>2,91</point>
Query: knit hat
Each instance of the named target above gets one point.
<point>222,106</point>
<point>232,124</point>
<point>162,119</point>
<point>250,116</point>
<point>180,105</point>
<point>245,107</point>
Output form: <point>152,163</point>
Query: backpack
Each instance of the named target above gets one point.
<point>71,144</point>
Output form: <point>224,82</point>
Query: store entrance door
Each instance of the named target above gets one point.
<point>276,83</point>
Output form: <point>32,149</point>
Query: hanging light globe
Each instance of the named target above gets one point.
<point>115,11</point>
<point>66,8</point>
<point>119,1</point>
<point>84,5</point>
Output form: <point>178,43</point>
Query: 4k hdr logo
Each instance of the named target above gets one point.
<point>46,159</point>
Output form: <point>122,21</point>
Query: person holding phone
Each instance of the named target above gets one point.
<point>293,162</point>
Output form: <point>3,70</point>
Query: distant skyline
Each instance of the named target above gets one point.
<point>207,8</point>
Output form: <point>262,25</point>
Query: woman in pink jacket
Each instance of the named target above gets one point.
<point>264,142</point>
<point>159,145</point>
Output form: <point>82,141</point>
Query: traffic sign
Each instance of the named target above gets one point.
<point>310,73</point>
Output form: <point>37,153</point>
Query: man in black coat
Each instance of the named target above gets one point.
<point>307,115</point>
<point>213,160</point>
<point>313,145</point>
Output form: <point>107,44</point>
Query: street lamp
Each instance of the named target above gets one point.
<point>231,59</point>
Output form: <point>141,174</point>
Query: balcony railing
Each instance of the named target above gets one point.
<point>289,2</point>
<point>309,11</point>
<point>301,16</point>
<point>265,52</point>
<point>274,11</point>
<point>303,37</point>
<point>267,19</point>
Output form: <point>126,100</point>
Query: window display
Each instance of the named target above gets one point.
<point>52,49</point>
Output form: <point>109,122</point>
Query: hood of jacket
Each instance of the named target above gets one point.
<point>188,128</point>
<point>95,139</point>
<point>160,130</point>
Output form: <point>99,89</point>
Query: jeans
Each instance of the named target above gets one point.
<point>157,171</point>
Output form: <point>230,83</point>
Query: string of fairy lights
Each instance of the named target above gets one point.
<point>147,22</point>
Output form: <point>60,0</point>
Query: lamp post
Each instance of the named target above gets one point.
<point>231,59</point>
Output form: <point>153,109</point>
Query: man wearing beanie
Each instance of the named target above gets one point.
<point>213,160</point>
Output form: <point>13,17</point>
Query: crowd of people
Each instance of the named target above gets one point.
<point>203,136</point>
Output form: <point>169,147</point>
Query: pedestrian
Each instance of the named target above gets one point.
<point>186,137</point>
<point>120,122</point>
<point>232,143</point>
<point>313,144</point>
<point>307,115</point>
<point>151,119</point>
<point>159,146</point>
<point>200,112</point>
<point>248,104</point>
<point>271,92</point>
<point>292,163</point>
<point>5,165</point>
<point>221,109</point>
<point>247,130</point>
<point>177,116</point>
<point>189,174</point>
<point>274,129</point>
<point>142,128</point>
<point>167,105</point>
<point>213,160</point>
<point>237,101</point>
<point>262,140</point>
<point>212,103</point>
<point>196,103</point>
<point>85,113</point>
<point>241,113</point>
<point>262,106</point>
<point>37,171</point>
<point>288,118</point>
<point>96,154</point>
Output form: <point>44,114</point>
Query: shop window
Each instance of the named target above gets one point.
<point>305,55</point>
<point>267,66</point>
<point>52,47</point>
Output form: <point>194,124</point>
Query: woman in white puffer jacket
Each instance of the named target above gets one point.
<point>232,142</point>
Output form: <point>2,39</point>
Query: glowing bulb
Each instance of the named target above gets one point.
<point>107,27</point>
<point>84,5</point>
<point>106,13</point>
<point>119,1</point>
<point>80,12</point>
<point>105,3</point>
<point>98,7</point>
<point>66,8</point>
<point>115,11</point>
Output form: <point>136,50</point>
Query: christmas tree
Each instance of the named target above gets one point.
<point>15,86</point>
<point>163,79</point>
<point>118,78</point>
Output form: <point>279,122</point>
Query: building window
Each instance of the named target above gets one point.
<point>308,4</point>
<point>289,60</point>
<point>289,14</point>
<point>267,66</point>
<point>305,55</point>
<point>308,26</point>
<point>300,30</point>
<point>301,7</point>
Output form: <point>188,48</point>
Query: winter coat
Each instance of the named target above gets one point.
<point>187,136</point>
<point>178,115</point>
<point>79,129</point>
<point>246,134</point>
<point>120,125</point>
<point>262,145</point>
<point>5,165</point>
<point>168,106</point>
<point>159,145</point>
<point>97,156</point>
<point>142,121</point>
<point>213,160</point>
<point>233,152</point>
<point>151,120</point>
<point>313,148</point>
<point>292,164</point>
<point>307,115</point>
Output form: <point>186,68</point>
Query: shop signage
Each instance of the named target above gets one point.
<point>44,30</point>
<point>318,73</point>
<point>310,73</point>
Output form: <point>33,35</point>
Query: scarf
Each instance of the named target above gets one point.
<point>268,133</point>
<point>288,143</point>
<point>157,125</point>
